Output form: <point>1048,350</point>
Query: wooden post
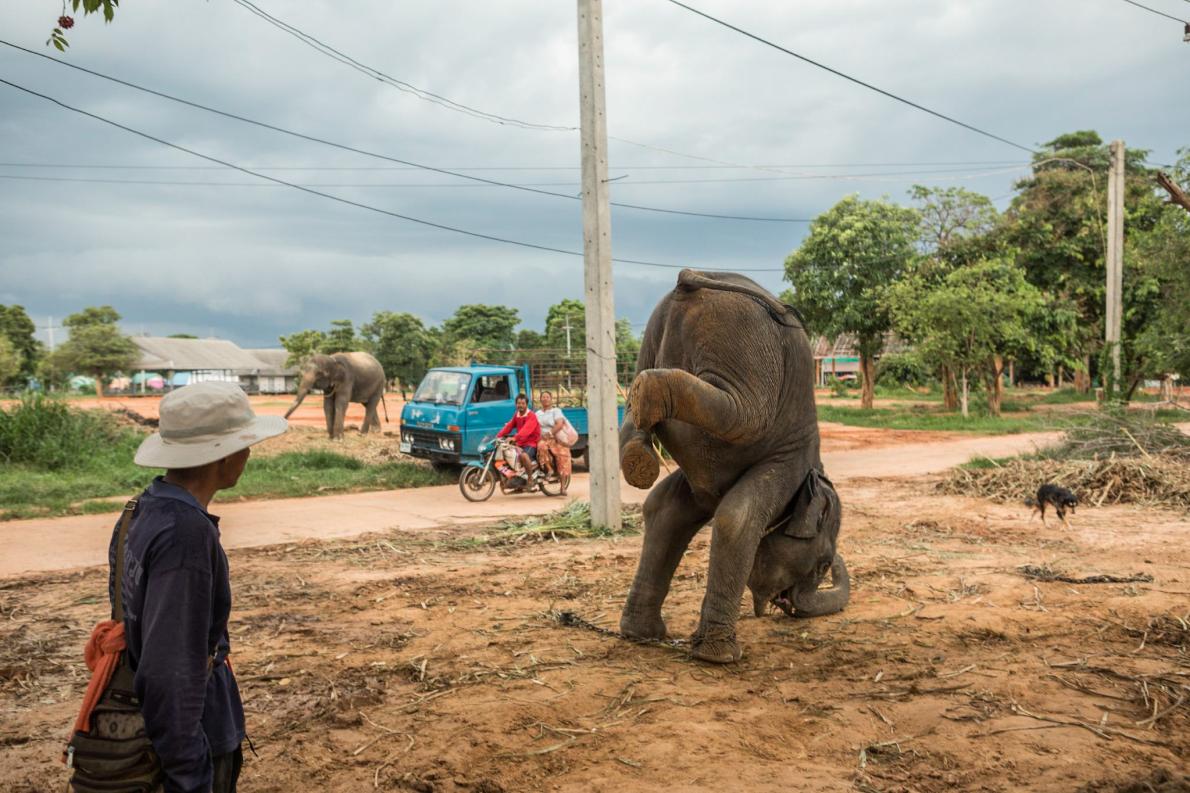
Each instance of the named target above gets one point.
<point>603,433</point>
<point>1115,265</point>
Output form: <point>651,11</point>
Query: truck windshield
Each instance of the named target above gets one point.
<point>444,388</point>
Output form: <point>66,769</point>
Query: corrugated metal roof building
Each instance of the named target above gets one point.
<point>184,361</point>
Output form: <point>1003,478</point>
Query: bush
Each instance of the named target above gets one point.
<point>902,368</point>
<point>45,433</point>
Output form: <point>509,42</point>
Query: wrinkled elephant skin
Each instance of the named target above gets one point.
<point>344,377</point>
<point>724,381</point>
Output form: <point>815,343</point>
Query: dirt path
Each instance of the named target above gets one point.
<point>64,543</point>
<point>434,662</point>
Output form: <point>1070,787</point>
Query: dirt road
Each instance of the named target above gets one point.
<point>63,543</point>
<point>435,662</point>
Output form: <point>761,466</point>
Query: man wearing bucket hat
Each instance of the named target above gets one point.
<point>175,589</point>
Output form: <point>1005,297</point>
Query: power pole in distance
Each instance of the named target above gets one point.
<point>603,448</point>
<point>1115,265</point>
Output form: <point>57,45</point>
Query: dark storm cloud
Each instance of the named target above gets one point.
<point>252,262</point>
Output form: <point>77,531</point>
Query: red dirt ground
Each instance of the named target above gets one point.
<point>432,661</point>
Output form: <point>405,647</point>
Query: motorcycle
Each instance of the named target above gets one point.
<point>498,465</point>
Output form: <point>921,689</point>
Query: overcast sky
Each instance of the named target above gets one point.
<point>234,258</point>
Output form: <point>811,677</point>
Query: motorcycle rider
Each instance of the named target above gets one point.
<point>527,433</point>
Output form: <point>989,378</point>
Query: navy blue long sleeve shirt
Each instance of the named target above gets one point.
<point>177,599</point>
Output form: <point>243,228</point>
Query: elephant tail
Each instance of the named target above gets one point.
<point>385,404</point>
<point>690,280</point>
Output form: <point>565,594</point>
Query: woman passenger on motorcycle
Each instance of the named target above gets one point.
<point>528,433</point>
<point>552,454</point>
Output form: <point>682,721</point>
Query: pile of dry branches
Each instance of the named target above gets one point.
<point>1118,458</point>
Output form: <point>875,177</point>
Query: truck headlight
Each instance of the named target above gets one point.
<point>446,444</point>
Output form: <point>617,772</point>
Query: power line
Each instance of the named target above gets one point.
<point>117,166</point>
<point>855,80</point>
<point>1158,13</point>
<point>336,198</point>
<point>354,150</point>
<point>428,96</point>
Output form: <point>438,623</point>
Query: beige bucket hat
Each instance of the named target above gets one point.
<point>202,423</point>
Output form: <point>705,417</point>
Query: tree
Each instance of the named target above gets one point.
<point>402,345</point>
<point>952,215</point>
<point>340,338</point>
<point>96,346</point>
<point>572,314</point>
<point>841,272</point>
<point>970,321</point>
<point>10,360</point>
<point>58,35</point>
<point>302,345</point>
<point>18,328</point>
<point>529,340</point>
<point>484,327</point>
<point>181,336</point>
<point>1058,225</point>
<point>627,343</point>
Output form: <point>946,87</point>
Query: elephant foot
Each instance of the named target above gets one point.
<point>716,645</point>
<point>648,627</point>
<point>648,399</point>
<point>640,464</point>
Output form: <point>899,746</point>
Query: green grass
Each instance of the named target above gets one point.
<point>932,418</point>
<point>57,460</point>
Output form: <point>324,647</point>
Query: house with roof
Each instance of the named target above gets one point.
<point>171,363</point>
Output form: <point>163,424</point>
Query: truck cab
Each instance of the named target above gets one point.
<point>458,409</point>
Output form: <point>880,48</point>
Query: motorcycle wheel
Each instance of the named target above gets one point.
<point>477,484</point>
<point>551,485</point>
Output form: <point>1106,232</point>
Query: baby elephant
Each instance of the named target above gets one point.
<point>794,557</point>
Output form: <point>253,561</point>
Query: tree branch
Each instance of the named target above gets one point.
<point>1176,195</point>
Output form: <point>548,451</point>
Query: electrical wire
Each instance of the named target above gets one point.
<point>1158,13</point>
<point>503,167</point>
<point>366,153</point>
<point>428,96</point>
<point>855,80</point>
<point>339,199</point>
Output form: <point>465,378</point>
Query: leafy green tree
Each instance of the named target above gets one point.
<point>302,345</point>
<point>1058,223</point>
<point>970,320</point>
<point>950,216</point>
<point>10,360</point>
<point>340,338</point>
<point>181,336</point>
<point>529,340</point>
<point>18,328</point>
<point>402,344</point>
<point>484,327</point>
<point>627,344</point>
<point>568,313</point>
<point>96,346</point>
<point>840,273</point>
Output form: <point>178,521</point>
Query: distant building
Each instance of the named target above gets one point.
<point>171,363</point>
<point>274,377</point>
<point>840,358</point>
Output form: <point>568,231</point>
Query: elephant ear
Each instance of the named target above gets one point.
<point>809,511</point>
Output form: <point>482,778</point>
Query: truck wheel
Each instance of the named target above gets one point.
<point>477,484</point>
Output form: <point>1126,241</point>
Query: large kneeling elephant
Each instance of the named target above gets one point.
<point>344,377</point>
<point>725,380</point>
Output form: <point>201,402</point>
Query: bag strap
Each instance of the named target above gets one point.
<point>121,542</point>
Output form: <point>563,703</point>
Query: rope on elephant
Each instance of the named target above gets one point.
<point>569,619</point>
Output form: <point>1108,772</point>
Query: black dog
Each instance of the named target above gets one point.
<point>1056,496</point>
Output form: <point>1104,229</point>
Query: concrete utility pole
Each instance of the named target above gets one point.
<point>1115,263</point>
<point>603,448</point>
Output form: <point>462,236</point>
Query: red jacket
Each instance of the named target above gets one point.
<point>528,431</point>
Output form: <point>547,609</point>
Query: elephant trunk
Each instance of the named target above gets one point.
<point>303,389</point>
<point>819,602</point>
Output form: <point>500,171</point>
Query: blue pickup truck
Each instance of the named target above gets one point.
<point>457,409</point>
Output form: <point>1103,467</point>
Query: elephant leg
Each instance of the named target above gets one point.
<point>658,395</point>
<point>638,460</point>
<point>740,521</point>
<point>371,416</point>
<point>341,403</point>
<point>672,518</point>
<point>328,410</point>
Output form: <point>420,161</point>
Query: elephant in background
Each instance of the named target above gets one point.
<point>344,377</point>
<point>724,380</point>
